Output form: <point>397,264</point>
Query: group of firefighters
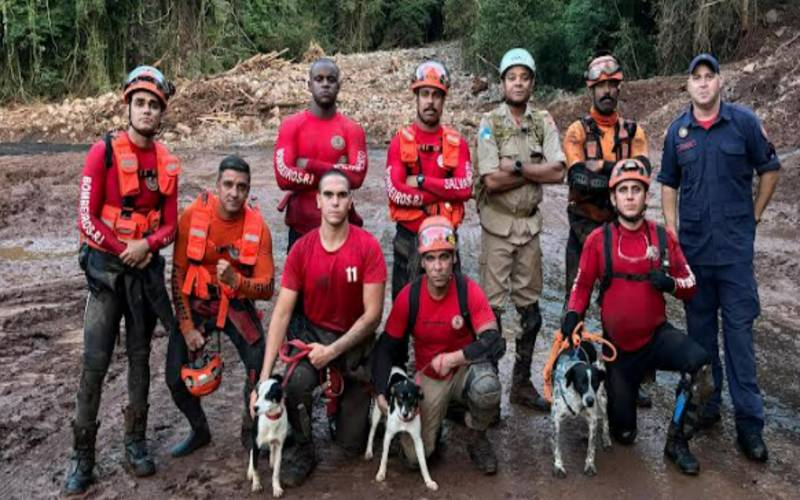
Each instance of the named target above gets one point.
<point>333,283</point>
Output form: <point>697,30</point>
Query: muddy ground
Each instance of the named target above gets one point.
<point>42,293</point>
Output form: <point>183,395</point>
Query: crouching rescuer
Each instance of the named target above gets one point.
<point>456,345</point>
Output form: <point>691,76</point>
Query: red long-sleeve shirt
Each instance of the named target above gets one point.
<point>100,185</point>
<point>630,310</point>
<point>309,146</point>
<point>437,186</point>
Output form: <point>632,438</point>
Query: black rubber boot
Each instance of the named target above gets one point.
<point>199,436</point>
<point>81,464</point>
<point>299,461</point>
<point>522,390</point>
<point>677,450</point>
<point>481,452</point>
<point>753,446</point>
<point>137,457</point>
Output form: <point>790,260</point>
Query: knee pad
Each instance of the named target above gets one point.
<point>530,318</point>
<point>483,387</point>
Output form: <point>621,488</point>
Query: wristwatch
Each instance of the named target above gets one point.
<point>420,179</point>
<point>518,167</point>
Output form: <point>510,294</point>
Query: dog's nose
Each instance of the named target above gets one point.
<point>589,401</point>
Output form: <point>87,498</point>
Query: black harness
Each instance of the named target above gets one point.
<point>413,302</point>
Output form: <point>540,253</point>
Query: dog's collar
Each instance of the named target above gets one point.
<point>564,399</point>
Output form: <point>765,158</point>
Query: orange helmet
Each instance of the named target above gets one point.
<point>150,79</point>
<point>203,375</point>
<point>629,170</point>
<point>605,67</point>
<point>431,74</point>
<point>436,233</point>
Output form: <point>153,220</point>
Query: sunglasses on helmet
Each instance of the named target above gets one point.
<point>436,68</point>
<point>607,66</point>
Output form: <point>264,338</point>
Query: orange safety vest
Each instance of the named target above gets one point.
<point>124,221</point>
<point>409,155</point>
<point>198,278</point>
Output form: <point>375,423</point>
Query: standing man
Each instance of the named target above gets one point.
<point>428,171</point>
<point>339,273</point>
<point>518,151</point>
<point>222,265</point>
<point>313,142</point>
<point>128,211</point>
<point>710,153</point>
<point>636,262</point>
<point>593,144</point>
<point>456,344</point>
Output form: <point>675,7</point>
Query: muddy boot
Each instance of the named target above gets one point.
<point>677,450</point>
<point>481,452</point>
<point>300,460</point>
<point>81,465</point>
<point>197,438</point>
<point>137,456</point>
<point>522,391</point>
<point>643,399</point>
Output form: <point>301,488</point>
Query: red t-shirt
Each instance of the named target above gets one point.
<point>631,310</point>
<point>439,326</point>
<point>309,146</point>
<point>100,185</point>
<point>437,186</point>
<point>706,124</point>
<point>332,283</point>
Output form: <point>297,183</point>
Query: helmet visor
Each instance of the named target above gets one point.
<point>432,70</point>
<point>607,66</point>
<point>437,237</point>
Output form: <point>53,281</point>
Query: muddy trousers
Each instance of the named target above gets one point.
<point>352,415</point>
<point>406,262</point>
<point>475,386</point>
<point>104,310</point>
<point>670,349</point>
<point>252,357</point>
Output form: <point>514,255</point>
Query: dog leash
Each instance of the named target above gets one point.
<point>332,381</point>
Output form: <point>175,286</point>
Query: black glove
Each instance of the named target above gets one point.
<point>661,281</point>
<point>570,321</point>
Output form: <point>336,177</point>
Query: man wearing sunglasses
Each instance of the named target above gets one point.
<point>456,343</point>
<point>339,272</point>
<point>710,153</point>
<point>636,262</point>
<point>593,144</point>
<point>518,152</point>
<point>222,264</point>
<point>127,213</point>
<point>428,170</point>
<point>313,142</point>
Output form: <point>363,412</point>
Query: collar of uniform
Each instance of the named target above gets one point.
<point>690,121</point>
<point>527,116</point>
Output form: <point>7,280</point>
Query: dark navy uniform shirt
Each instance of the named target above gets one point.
<point>713,172</point>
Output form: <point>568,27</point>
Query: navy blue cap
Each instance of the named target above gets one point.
<point>704,58</point>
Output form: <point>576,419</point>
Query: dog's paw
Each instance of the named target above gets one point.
<point>256,487</point>
<point>432,485</point>
<point>277,491</point>
<point>606,444</point>
<point>380,476</point>
<point>559,471</point>
<point>590,470</point>
<point>368,455</point>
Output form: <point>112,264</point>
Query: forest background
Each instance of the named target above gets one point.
<point>51,49</point>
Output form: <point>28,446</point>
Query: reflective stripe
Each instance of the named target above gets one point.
<point>251,237</point>
<point>197,232</point>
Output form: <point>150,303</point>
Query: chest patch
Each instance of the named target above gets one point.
<point>683,132</point>
<point>686,146</point>
<point>457,322</point>
<point>337,142</point>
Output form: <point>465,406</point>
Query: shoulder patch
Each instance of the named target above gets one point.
<point>485,132</point>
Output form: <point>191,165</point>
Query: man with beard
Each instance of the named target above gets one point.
<point>128,211</point>
<point>313,142</point>
<point>339,273</point>
<point>428,171</point>
<point>710,152</point>
<point>518,151</point>
<point>592,145</point>
<point>221,266</point>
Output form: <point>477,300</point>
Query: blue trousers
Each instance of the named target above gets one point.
<point>731,290</point>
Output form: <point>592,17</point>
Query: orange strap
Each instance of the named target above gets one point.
<point>132,226</point>
<point>251,236</point>
<point>409,149</point>
<point>561,344</point>
<point>227,293</point>
<point>197,280</point>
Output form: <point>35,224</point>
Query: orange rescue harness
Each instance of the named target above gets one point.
<point>245,250</point>
<point>126,223</point>
<point>409,155</point>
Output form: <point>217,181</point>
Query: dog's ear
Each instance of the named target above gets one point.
<point>278,378</point>
<point>601,375</point>
<point>570,377</point>
<point>391,391</point>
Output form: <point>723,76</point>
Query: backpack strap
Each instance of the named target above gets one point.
<point>413,307</point>
<point>663,248</point>
<point>463,299</point>
<point>109,149</point>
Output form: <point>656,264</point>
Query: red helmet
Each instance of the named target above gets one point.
<point>436,233</point>
<point>602,68</point>
<point>150,79</point>
<point>431,74</point>
<point>629,170</point>
<point>203,375</point>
